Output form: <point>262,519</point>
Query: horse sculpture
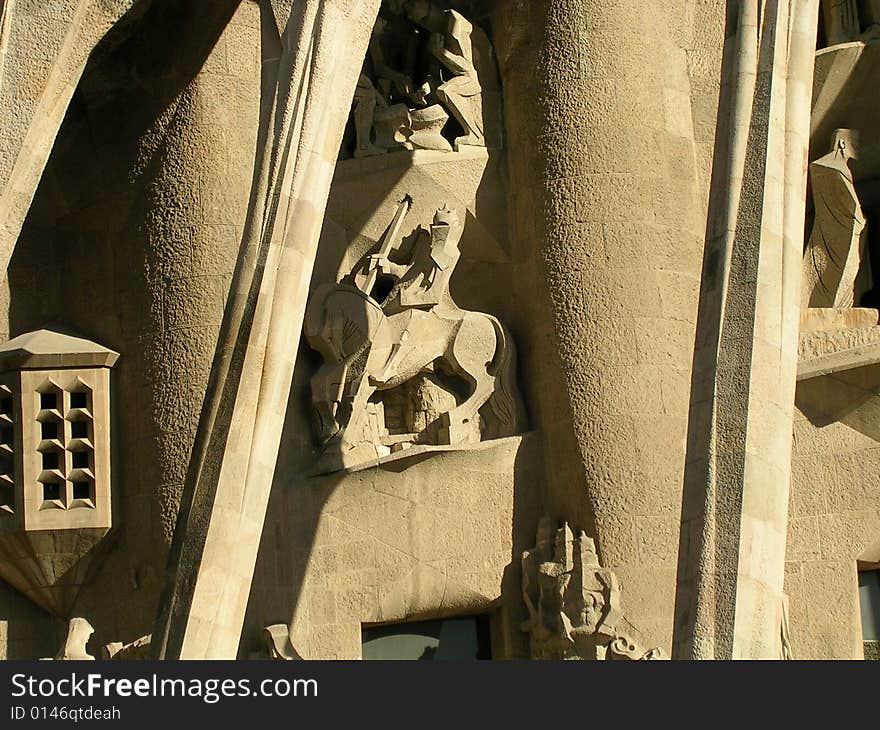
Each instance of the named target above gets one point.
<point>370,347</point>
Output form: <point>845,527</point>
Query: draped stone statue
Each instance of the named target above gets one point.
<point>837,270</point>
<point>79,631</point>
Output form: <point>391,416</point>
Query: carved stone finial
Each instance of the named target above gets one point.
<point>573,602</point>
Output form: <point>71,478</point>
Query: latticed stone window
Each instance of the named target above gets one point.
<point>55,487</point>
<point>54,439</point>
<point>7,451</point>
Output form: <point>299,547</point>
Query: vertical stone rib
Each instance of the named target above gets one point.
<point>735,505</point>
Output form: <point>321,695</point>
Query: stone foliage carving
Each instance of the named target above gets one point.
<point>424,66</point>
<point>837,270</point>
<point>573,602</point>
<point>403,364</point>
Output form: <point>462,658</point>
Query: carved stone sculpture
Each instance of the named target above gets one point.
<point>366,98</point>
<point>78,633</point>
<point>424,65</point>
<point>785,652</point>
<point>573,602</point>
<point>451,44</point>
<point>851,20</point>
<point>374,343</point>
<point>836,266</point>
<point>841,20</point>
<point>278,646</point>
<point>139,649</point>
<point>426,126</point>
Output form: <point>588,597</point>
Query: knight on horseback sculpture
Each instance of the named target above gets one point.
<point>416,330</point>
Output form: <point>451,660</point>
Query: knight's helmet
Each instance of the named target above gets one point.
<point>446,231</point>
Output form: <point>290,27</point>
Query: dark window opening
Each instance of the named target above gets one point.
<point>49,430</point>
<point>456,638</point>
<point>48,401</point>
<point>50,460</point>
<point>6,406</point>
<point>79,430</point>
<point>51,491</point>
<point>82,490</point>
<point>80,459</point>
<point>871,298</point>
<point>79,400</point>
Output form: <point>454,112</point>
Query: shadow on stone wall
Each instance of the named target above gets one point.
<point>344,549</point>
<point>108,251</point>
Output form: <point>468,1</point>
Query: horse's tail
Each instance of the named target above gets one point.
<point>505,401</point>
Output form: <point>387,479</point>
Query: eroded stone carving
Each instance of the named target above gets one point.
<point>573,602</point>
<point>139,649</point>
<point>785,651</point>
<point>851,20</point>
<point>425,64</point>
<point>78,633</point>
<point>392,325</point>
<point>837,271</point>
<point>278,646</point>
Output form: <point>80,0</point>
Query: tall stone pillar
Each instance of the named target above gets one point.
<point>609,228</point>
<point>312,51</point>
<point>735,507</point>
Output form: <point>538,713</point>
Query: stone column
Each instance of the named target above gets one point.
<point>609,227</point>
<point>735,507</point>
<point>309,79</point>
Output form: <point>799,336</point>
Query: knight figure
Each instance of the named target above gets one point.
<point>373,344</point>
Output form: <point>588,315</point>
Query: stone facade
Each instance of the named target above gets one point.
<point>399,285</point>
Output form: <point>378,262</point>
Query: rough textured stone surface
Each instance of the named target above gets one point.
<point>172,185</point>
<point>606,214</point>
<point>432,535</point>
<point>835,513</point>
<point>124,201</point>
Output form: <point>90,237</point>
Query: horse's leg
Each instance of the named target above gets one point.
<point>354,433</point>
<point>327,385</point>
<point>470,353</point>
